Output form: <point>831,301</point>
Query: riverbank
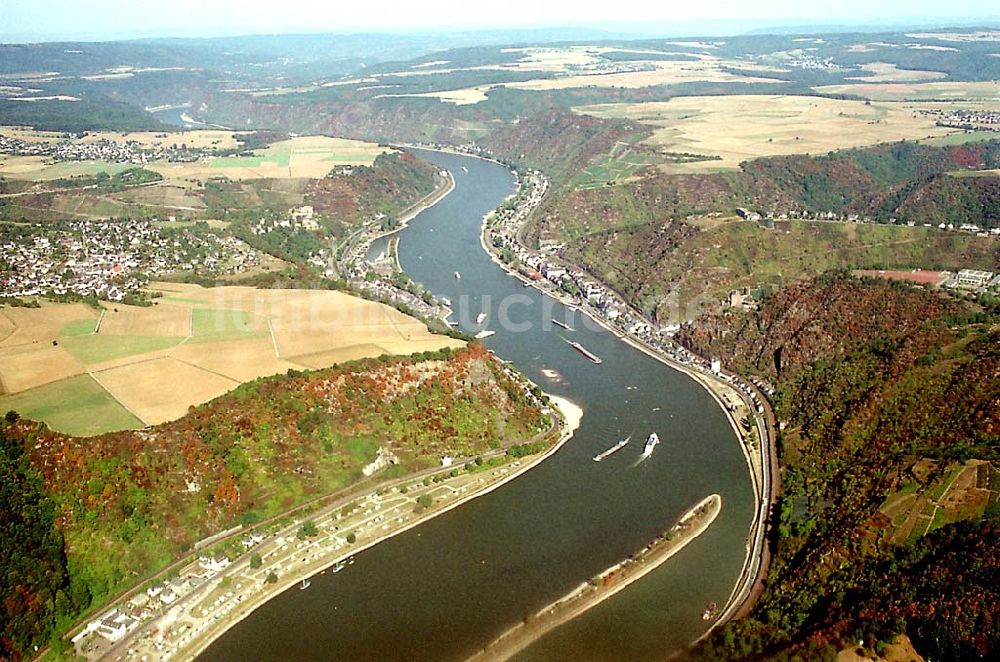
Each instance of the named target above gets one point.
<point>606,584</point>
<point>437,195</point>
<point>759,453</point>
<point>210,627</point>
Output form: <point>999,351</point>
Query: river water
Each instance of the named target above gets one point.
<point>447,588</point>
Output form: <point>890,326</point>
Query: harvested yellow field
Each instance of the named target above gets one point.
<point>310,157</point>
<point>583,66</point>
<point>463,97</point>
<point>352,353</point>
<point>738,128</point>
<point>973,91</point>
<point>302,157</point>
<point>162,390</point>
<point>240,360</point>
<point>707,69</point>
<point>27,326</point>
<point>196,139</point>
<point>28,134</point>
<point>27,366</point>
<point>162,320</point>
<point>149,365</point>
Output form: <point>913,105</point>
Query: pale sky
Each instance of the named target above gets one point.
<point>95,19</point>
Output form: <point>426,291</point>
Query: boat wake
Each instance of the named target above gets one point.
<point>647,451</point>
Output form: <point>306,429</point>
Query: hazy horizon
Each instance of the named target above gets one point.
<point>112,20</point>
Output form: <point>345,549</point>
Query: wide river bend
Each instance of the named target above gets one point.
<point>447,588</point>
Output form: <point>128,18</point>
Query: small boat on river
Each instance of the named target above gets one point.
<point>614,449</point>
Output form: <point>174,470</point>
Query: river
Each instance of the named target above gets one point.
<point>448,587</point>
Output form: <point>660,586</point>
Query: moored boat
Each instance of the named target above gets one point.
<point>709,612</point>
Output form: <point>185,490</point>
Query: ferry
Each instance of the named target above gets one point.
<point>481,318</point>
<point>583,350</point>
<point>563,325</point>
<point>651,443</point>
<point>614,449</point>
<point>709,612</point>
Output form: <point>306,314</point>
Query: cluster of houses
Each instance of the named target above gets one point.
<point>383,289</point>
<point>110,259</point>
<point>544,270</point>
<point>768,218</point>
<point>800,59</point>
<point>298,217</point>
<point>374,277</point>
<point>969,120</point>
<point>99,150</point>
<point>114,625</point>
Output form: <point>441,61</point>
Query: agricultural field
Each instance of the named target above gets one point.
<point>562,68</point>
<point>619,165</point>
<point>963,138</point>
<point>310,157</point>
<point>85,371</point>
<point>40,169</point>
<point>985,90</point>
<point>303,157</point>
<point>741,127</point>
<point>207,139</point>
<point>461,97</point>
<point>960,491</point>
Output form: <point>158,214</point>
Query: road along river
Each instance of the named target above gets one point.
<point>446,589</point>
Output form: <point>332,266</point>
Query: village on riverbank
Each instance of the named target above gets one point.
<point>179,614</point>
<point>743,401</point>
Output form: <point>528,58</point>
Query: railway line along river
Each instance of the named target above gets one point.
<point>446,589</point>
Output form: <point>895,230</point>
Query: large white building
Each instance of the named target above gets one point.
<point>973,279</point>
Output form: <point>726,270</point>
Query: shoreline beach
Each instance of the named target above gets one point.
<point>600,588</point>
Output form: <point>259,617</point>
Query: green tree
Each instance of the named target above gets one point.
<point>351,538</point>
<point>256,561</point>
<point>272,578</point>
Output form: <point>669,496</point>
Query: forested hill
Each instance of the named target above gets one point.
<point>82,519</point>
<point>889,402</point>
<point>392,183</point>
<point>903,180</point>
